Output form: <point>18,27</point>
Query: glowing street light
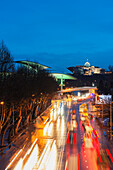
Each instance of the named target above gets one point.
<point>2,115</point>
<point>2,103</point>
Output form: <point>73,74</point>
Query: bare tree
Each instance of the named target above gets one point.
<point>25,93</point>
<point>110,68</point>
<point>6,60</point>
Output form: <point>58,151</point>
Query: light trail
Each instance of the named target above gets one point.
<point>109,155</point>
<point>49,154</point>
<point>62,143</point>
<point>19,165</point>
<point>13,159</point>
<point>32,159</point>
<point>33,154</point>
<point>62,126</point>
<point>43,155</point>
<point>62,109</point>
<point>52,159</point>
<point>29,150</point>
<point>78,161</point>
<point>58,123</point>
<point>50,129</point>
<point>45,129</point>
<point>75,138</point>
<point>51,115</point>
<point>67,160</point>
<point>99,156</point>
<point>46,121</point>
<point>55,114</point>
<point>68,138</point>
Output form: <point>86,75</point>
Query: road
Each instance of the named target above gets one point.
<point>75,154</point>
<point>89,154</point>
<point>52,148</point>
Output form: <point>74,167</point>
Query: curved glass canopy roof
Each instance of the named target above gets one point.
<point>63,76</point>
<point>32,64</point>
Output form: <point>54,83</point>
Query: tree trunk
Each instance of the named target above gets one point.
<point>9,115</point>
<point>3,134</point>
<point>7,126</point>
<point>27,120</point>
<point>37,110</point>
<point>19,121</point>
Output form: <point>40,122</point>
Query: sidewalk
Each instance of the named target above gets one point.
<point>93,111</point>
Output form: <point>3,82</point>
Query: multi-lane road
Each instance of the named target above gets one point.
<point>63,142</point>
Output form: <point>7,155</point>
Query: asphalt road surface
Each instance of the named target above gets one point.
<point>60,148</point>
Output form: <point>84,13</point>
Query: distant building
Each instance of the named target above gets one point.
<point>86,69</point>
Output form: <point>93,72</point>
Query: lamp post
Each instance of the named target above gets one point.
<point>2,116</point>
<point>2,103</point>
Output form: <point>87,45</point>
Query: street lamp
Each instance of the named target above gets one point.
<point>2,116</point>
<point>2,103</point>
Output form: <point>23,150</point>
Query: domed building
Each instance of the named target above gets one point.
<point>86,69</point>
<point>87,64</point>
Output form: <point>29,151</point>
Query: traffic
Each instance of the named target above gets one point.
<point>68,137</point>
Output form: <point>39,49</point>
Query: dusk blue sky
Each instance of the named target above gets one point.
<point>58,33</point>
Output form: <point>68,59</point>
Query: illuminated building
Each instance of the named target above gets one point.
<point>86,69</point>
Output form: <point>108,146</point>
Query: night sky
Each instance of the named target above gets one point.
<point>59,33</point>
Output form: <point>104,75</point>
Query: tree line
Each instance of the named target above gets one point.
<point>24,94</point>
